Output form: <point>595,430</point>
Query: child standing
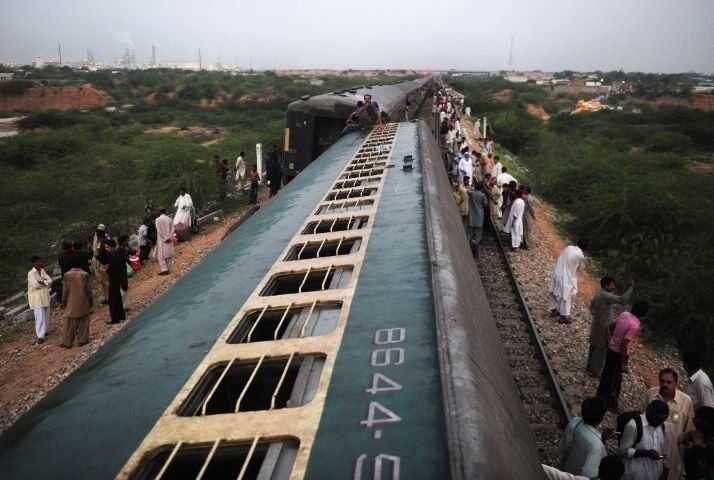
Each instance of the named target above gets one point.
<point>254,179</point>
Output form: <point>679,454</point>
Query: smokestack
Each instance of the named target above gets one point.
<point>153,54</point>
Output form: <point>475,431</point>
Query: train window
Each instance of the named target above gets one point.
<point>325,248</point>
<point>360,182</point>
<point>335,225</point>
<point>354,193</point>
<point>221,460</point>
<point>287,322</point>
<point>341,207</point>
<point>268,383</point>
<point>309,281</point>
<point>362,173</point>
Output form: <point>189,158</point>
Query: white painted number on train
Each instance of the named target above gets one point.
<point>383,357</point>
<point>382,462</point>
<point>382,383</point>
<point>389,335</point>
<point>378,413</point>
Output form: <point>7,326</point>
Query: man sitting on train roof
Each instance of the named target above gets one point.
<point>367,114</point>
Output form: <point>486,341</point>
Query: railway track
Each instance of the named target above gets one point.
<point>543,400</point>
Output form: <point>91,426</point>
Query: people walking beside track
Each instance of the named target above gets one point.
<point>183,205</point>
<point>118,281</point>
<point>680,419</point>
<point>164,242</point>
<point>644,446</point>
<point>39,284</point>
<point>478,208</point>
<point>100,260</point>
<point>581,446</point>
<point>514,224</point>
<point>699,386</point>
<point>254,183</point>
<point>528,219</point>
<point>240,172</point>
<point>624,332</point>
<point>564,283</point>
<point>601,308</point>
<point>77,301</point>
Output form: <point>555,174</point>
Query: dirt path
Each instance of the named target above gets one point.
<point>28,371</point>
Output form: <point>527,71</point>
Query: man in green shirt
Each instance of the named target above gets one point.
<point>601,308</point>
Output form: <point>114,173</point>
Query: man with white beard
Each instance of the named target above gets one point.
<point>564,284</point>
<point>183,206</point>
<point>514,226</point>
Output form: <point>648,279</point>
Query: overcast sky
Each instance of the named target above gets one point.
<point>635,35</point>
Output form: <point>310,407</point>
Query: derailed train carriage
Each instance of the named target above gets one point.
<point>341,332</point>
<point>314,123</point>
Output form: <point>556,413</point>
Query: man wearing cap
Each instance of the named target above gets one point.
<point>101,260</point>
<point>164,242</point>
<point>648,457</point>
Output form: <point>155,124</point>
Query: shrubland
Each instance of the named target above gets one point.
<point>628,182</point>
<point>68,171</point>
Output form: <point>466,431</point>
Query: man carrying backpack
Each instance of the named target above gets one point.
<point>643,442</point>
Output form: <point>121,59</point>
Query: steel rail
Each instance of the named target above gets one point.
<point>560,404</point>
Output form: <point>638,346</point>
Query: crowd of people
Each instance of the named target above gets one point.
<point>671,437</point>
<point>111,261</point>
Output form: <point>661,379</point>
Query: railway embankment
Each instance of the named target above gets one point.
<point>567,345</point>
<point>28,371</point>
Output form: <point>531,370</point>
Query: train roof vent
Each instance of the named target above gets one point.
<point>221,460</point>
<point>305,97</point>
<point>312,280</point>
<point>335,225</point>
<point>268,383</point>
<point>291,321</point>
<point>325,248</point>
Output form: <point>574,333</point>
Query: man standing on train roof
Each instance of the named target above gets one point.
<point>183,205</point>
<point>564,284</point>
<point>374,115</point>
<point>164,252</point>
<point>601,308</point>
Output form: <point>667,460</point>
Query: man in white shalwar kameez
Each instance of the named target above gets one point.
<point>240,173</point>
<point>164,251</point>
<point>39,284</point>
<point>564,284</point>
<point>183,206</point>
<point>514,226</point>
<point>466,168</point>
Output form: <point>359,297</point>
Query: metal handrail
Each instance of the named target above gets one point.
<point>247,384</point>
<point>277,329</point>
<point>204,406</point>
<point>280,382</point>
<point>208,459</point>
<point>168,461</point>
<point>250,334</point>
<point>247,459</point>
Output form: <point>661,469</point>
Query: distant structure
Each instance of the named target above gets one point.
<point>510,58</point>
<point>153,55</point>
<point>128,60</point>
<point>59,48</point>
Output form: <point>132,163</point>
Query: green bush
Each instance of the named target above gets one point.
<point>15,87</point>
<point>669,142</point>
<point>48,119</point>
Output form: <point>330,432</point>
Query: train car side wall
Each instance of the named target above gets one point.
<point>487,431</point>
